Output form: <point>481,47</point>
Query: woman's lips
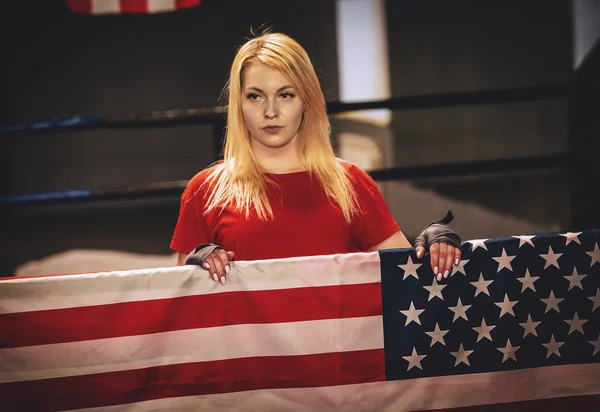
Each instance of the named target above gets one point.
<point>273,129</point>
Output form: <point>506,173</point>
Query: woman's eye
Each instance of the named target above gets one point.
<point>287,95</point>
<point>252,96</point>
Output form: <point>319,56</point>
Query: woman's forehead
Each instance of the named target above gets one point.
<point>259,75</point>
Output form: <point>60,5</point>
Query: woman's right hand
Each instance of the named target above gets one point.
<point>214,259</point>
<point>217,264</point>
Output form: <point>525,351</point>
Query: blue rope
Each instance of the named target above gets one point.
<point>68,122</point>
<point>37,197</point>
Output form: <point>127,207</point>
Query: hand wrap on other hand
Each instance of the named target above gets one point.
<point>438,232</point>
<point>200,253</point>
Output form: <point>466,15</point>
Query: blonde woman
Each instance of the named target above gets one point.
<point>280,191</point>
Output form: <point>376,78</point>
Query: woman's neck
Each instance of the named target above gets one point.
<point>278,166</point>
<point>285,159</point>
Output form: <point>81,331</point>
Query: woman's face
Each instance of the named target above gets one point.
<point>272,111</point>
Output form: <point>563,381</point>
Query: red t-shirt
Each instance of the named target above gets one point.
<point>305,222</point>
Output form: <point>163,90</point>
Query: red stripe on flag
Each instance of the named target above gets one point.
<point>80,6</point>
<point>190,379</point>
<point>189,312</point>
<point>567,403</point>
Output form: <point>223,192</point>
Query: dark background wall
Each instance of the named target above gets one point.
<point>584,125</point>
<point>585,141</point>
<point>469,45</point>
<point>59,64</point>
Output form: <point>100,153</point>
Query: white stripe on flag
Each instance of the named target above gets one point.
<point>106,6</point>
<point>160,6</point>
<point>195,345</point>
<point>56,292</point>
<point>393,396</point>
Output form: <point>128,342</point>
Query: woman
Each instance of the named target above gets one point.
<point>280,191</point>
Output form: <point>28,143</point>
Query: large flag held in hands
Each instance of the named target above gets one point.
<point>516,326</point>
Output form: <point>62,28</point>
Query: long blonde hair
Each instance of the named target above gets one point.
<point>238,180</point>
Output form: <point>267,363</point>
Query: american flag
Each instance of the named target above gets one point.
<point>515,327</point>
<point>99,7</point>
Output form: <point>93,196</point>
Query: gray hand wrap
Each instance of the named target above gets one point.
<point>438,232</point>
<point>200,253</point>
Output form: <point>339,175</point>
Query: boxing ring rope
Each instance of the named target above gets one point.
<point>215,116</point>
<point>397,173</point>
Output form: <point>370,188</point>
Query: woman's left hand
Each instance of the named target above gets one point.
<point>442,256</point>
<point>444,246</point>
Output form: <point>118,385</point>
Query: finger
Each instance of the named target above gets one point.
<point>420,252</point>
<point>206,264</point>
<point>457,255</point>
<point>449,259</point>
<point>434,252</point>
<point>219,270</point>
<point>442,260</point>
<point>224,260</point>
<point>231,254</point>
<point>209,263</point>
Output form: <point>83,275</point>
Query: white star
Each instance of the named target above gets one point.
<point>553,346</point>
<point>459,310</point>
<point>483,331</point>
<point>552,302</point>
<point>576,324</point>
<point>477,243</point>
<point>509,351</point>
<point>412,314</point>
<point>525,239</point>
<point>596,344</point>
<point>481,286</point>
<point>551,258</point>
<point>435,290</point>
<point>506,306</point>
<point>529,327</point>
<point>410,269</point>
<point>437,335</point>
<point>462,356</point>
<point>595,255</point>
<point>575,279</point>
<point>528,281</point>
<point>571,237</point>
<point>504,261</point>
<point>414,360</point>
<point>460,268</point>
<point>595,299</point>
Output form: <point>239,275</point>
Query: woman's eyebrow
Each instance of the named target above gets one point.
<point>258,89</point>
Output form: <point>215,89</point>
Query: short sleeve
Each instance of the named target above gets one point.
<point>375,222</point>
<point>190,229</point>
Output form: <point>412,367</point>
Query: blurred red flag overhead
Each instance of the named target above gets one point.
<point>129,6</point>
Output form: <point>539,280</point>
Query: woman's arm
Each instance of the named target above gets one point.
<point>376,221</point>
<point>181,259</point>
<point>396,241</point>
